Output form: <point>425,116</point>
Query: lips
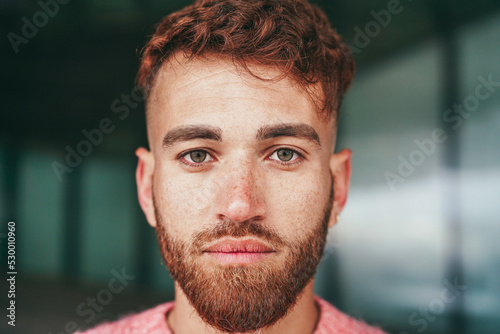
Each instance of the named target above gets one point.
<point>239,246</point>
<point>239,251</point>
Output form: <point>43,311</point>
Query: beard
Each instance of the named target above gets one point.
<point>243,298</point>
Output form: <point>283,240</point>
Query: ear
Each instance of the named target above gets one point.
<point>144,179</point>
<point>340,167</point>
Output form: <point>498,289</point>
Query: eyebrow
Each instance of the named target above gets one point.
<point>298,130</point>
<point>192,132</point>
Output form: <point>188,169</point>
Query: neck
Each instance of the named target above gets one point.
<point>302,318</point>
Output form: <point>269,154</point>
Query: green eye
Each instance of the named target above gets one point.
<point>198,156</point>
<point>285,154</point>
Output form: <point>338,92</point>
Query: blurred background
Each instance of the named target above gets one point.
<point>416,250</point>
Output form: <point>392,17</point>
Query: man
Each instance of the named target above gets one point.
<point>241,183</point>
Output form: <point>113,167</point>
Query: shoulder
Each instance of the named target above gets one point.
<point>333,321</point>
<point>151,321</point>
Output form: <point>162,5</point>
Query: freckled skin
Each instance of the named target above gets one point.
<point>243,181</point>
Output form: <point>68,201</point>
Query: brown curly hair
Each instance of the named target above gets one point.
<point>292,35</point>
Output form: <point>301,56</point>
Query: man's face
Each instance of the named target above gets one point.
<point>238,184</point>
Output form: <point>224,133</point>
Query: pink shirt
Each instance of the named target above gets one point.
<point>152,321</point>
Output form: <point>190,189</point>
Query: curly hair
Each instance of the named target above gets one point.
<point>292,35</point>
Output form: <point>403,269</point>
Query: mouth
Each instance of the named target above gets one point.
<point>239,251</point>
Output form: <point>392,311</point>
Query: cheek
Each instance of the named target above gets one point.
<point>183,200</point>
<point>296,204</point>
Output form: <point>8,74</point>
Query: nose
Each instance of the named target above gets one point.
<point>240,195</point>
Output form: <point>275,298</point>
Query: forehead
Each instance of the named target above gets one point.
<point>182,79</point>
<point>189,91</point>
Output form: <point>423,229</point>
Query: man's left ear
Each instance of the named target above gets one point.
<point>340,167</point>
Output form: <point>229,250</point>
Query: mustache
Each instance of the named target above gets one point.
<point>229,228</point>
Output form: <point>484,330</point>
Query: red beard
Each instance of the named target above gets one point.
<point>243,298</point>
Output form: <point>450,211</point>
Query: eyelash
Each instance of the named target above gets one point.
<point>201,164</point>
<point>289,164</point>
<point>190,164</point>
